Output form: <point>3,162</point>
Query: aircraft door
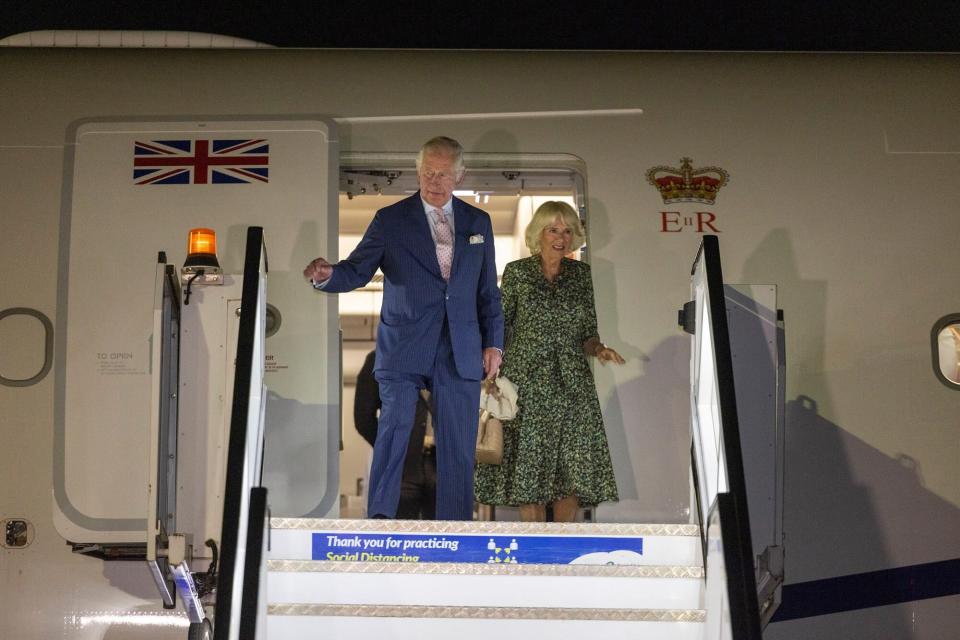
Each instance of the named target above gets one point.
<point>132,188</point>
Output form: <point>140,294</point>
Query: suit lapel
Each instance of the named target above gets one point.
<point>426,247</point>
<point>461,224</point>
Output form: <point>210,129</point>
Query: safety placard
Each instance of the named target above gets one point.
<point>396,547</point>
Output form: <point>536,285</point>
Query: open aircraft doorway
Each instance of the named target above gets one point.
<point>509,187</point>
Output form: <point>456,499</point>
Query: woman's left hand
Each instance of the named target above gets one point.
<point>606,354</point>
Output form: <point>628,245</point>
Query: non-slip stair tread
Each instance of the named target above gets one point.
<point>478,590</point>
<point>473,612</point>
<point>486,527</point>
<point>473,568</point>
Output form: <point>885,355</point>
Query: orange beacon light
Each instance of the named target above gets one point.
<point>202,251</point>
<point>202,241</point>
<point>201,265</point>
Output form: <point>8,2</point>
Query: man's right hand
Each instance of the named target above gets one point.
<point>319,270</point>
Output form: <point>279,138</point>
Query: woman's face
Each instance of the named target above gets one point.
<point>555,239</point>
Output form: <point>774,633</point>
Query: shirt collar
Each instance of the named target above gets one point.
<point>447,208</point>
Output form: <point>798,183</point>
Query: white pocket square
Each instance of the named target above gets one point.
<point>476,239</point>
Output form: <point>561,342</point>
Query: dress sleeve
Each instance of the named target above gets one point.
<point>589,328</point>
<point>508,294</point>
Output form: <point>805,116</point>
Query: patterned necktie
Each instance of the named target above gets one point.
<point>444,243</point>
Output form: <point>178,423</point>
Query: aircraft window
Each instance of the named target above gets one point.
<point>27,353</point>
<point>946,350</point>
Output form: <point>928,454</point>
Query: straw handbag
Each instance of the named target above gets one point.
<point>498,401</point>
<point>489,439</point>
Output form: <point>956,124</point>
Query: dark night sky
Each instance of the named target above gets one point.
<point>775,25</point>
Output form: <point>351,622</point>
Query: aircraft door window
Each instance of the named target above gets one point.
<point>27,347</point>
<point>945,338</point>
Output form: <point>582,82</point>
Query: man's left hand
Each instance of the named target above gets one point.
<point>491,362</point>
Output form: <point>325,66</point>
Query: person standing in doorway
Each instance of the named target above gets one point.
<point>441,325</point>
<point>418,484</point>
<point>555,450</point>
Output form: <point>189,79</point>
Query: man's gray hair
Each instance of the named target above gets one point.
<point>444,145</point>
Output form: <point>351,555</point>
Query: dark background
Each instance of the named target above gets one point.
<point>701,25</point>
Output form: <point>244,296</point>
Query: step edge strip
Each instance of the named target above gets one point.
<point>486,527</point>
<point>473,568</point>
<point>503,613</point>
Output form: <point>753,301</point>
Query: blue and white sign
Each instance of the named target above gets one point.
<point>405,547</point>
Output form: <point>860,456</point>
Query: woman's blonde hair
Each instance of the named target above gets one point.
<point>546,214</point>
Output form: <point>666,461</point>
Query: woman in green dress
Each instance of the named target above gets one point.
<point>555,450</point>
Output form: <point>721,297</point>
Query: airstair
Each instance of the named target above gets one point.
<point>509,583</point>
<point>713,578</point>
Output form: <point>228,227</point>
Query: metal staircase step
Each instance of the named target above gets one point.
<point>309,621</point>
<point>484,585</point>
<point>473,568</point>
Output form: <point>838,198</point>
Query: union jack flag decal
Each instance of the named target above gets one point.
<point>201,161</point>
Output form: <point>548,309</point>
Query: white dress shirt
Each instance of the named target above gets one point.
<point>447,211</point>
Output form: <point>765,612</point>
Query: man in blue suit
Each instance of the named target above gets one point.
<point>441,325</point>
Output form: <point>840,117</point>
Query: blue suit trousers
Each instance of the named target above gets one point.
<point>455,403</point>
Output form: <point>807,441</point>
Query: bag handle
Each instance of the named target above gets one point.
<point>490,386</point>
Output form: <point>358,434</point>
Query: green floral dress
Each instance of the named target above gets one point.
<point>556,446</point>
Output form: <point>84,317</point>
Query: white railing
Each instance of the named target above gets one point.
<point>717,460</point>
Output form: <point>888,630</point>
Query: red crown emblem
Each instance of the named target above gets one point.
<point>687,184</point>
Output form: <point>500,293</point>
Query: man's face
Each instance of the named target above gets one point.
<point>438,178</point>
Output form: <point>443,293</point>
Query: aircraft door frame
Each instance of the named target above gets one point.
<point>112,215</point>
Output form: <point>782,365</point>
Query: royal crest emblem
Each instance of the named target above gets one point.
<point>687,184</point>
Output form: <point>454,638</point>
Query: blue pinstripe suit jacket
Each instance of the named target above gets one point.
<point>415,296</point>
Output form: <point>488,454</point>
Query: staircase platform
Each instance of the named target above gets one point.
<point>416,541</point>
